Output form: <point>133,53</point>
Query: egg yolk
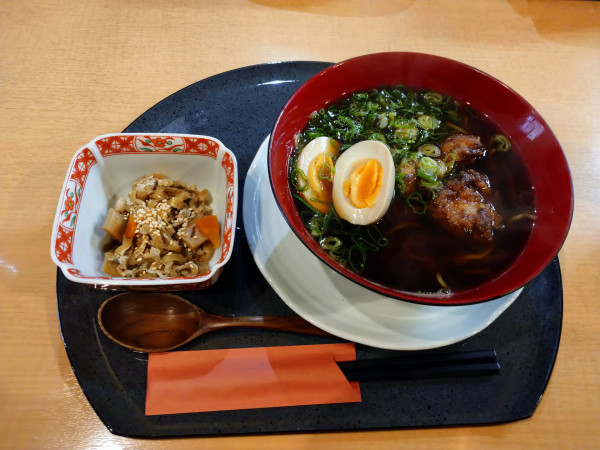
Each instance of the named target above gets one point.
<point>320,182</point>
<point>363,185</point>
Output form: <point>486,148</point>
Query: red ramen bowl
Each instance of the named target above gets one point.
<point>507,111</point>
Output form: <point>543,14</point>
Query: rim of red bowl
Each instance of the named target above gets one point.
<point>510,112</point>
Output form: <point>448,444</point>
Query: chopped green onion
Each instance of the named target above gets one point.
<point>331,243</point>
<point>298,174</point>
<point>375,234</point>
<point>377,137</point>
<point>502,143</point>
<point>313,134</point>
<point>382,121</point>
<point>326,172</point>
<point>428,169</point>
<point>400,182</point>
<point>425,176</point>
<point>308,205</point>
<point>347,121</point>
<point>428,122</point>
<point>317,200</point>
<point>315,225</point>
<point>449,161</point>
<point>398,153</point>
<point>432,185</point>
<point>433,97</point>
<point>365,243</point>
<point>406,130</point>
<point>339,255</point>
<point>357,257</point>
<point>416,203</point>
<point>431,150</point>
<point>454,114</point>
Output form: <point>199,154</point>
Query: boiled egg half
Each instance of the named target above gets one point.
<point>315,172</point>
<point>363,185</point>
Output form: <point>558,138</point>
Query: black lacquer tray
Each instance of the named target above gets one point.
<point>240,107</point>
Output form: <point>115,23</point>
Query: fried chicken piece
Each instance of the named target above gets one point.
<point>470,178</point>
<point>466,147</point>
<point>461,207</point>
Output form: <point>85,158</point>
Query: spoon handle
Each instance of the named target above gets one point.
<point>293,324</point>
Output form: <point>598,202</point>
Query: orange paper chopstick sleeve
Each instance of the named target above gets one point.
<point>246,378</point>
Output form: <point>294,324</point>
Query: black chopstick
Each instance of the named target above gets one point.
<point>422,365</point>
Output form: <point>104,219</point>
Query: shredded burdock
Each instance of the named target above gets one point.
<point>153,231</point>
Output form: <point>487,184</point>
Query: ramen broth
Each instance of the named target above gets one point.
<point>420,250</point>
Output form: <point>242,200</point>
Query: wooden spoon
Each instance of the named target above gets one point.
<point>160,322</point>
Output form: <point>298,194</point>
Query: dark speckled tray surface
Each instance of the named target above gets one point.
<point>240,107</point>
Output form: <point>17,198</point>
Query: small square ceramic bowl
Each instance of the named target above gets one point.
<point>104,170</point>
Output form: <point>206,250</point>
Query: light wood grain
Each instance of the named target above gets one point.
<point>72,70</point>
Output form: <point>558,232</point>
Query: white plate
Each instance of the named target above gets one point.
<point>336,304</point>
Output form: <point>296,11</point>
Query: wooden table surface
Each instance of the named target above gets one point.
<point>73,70</point>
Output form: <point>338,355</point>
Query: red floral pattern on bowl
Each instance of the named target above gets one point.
<point>104,170</point>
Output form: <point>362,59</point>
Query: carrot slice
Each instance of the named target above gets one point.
<point>209,226</point>
<point>130,228</point>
